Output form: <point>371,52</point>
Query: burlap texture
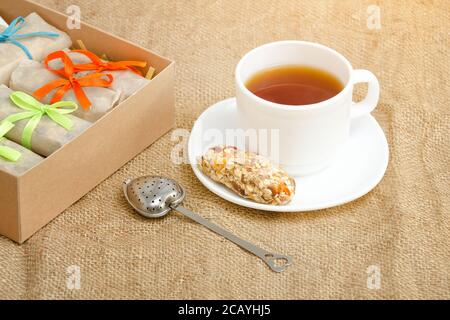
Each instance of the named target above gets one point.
<point>402,225</point>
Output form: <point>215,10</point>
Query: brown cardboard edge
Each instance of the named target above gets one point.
<point>9,195</point>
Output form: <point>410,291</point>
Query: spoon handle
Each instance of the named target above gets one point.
<point>276,262</point>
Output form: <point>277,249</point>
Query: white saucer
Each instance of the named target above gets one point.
<point>358,169</point>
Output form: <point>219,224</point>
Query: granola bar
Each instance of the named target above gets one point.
<point>250,175</point>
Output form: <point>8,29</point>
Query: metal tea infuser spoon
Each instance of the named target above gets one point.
<point>154,197</point>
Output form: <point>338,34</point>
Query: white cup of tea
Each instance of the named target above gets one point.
<point>309,136</point>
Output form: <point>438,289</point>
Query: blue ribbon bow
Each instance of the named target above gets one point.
<point>10,35</point>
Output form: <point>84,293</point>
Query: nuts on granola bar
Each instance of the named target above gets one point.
<point>249,175</point>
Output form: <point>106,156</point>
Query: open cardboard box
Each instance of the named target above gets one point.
<point>29,202</point>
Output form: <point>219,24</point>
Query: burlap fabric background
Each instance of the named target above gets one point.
<point>402,226</point>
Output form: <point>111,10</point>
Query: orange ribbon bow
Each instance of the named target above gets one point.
<point>100,65</point>
<point>69,81</point>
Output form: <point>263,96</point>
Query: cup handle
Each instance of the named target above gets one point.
<point>370,102</point>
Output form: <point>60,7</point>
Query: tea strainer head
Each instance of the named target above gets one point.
<point>153,197</point>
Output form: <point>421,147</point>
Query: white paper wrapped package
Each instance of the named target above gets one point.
<point>27,160</point>
<point>126,82</point>
<point>3,23</point>
<point>48,135</point>
<point>30,76</point>
<point>38,46</point>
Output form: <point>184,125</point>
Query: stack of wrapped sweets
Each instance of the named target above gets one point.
<point>49,86</point>
<point>79,75</point>
<point>54,93</point>
<point>23,39</point>
<point>28,38</point>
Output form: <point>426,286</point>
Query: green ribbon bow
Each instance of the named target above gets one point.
<point>35,111</point>
<point>8,153</point>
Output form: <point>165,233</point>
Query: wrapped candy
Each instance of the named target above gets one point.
<point>31,38</point>
<point>127,77</point>
<point>15,159</point>
<point>40,128</point>
<point>90,91</point>
<point>3,23</point>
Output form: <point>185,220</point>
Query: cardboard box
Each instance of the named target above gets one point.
<point>29,202</point>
